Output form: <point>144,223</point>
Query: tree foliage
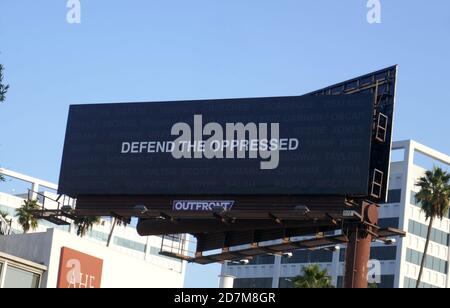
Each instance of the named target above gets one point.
<point>434,198</point>
<point>25,217</point>
<point>84,224</point>
<point>3,87</point>
<point>4,214</point>
<point>312,277</point>
<point>434,193</point>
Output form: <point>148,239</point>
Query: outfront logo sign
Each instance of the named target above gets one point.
<point>202,205</point>
<point>78,270</point>
<point>230,141</point>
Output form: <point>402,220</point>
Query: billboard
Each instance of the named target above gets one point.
<point>299,145</point>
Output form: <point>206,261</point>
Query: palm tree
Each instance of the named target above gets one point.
<point>3,88</point>
<point>25,218</point>
<point>4,214</point>
<point>4,219</point>
<point>84,224</point>
<point>118,222</point>
<point>313,277</point>
<point>434,197</point>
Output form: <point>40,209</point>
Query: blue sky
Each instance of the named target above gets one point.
<point>144,50</point>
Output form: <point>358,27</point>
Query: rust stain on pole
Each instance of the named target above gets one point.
<point>357,259</point>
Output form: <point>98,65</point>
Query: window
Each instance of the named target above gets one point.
<point>19,278</point>
<point>397,155</point>
<point>383,253</point>
<point>411,283</point>
<point>376,253</point>
<point>436,266</point>
<point>340,282</point>
<point>384,223</point>
<point>386,282</point>
<point>264,259</point>
<point>423,231</point>
<point>437,236</point>
<point>97,235</point>
<point>412,199</point>
<point>285,283</point>
<point>431,263</point>
<point>129,244</point>
<point>342,255</point>
<point>308,256</point>
<point>443,267</point>
<point>240,283</point>
<point>394,196</point>
<point>416,257</point>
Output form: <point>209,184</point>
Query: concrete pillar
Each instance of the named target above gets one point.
<point>276,272</point>
<point>226,281</point>
<point>34,191</point>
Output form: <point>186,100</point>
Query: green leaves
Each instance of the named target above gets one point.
<point>84,224</point>
<point>313,277</point>
<point>434,194</point>
<point>3,88</point>
<point>25,217</point>
<point>4,214</point>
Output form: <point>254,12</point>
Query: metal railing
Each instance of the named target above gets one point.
<point>42,199</point>
<point>177,246</point>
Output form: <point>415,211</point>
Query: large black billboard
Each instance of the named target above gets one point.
<point>300,145</point>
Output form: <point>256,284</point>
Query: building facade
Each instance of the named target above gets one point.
<point>56,258</point>
<point>400,262</point>
<point>35,259</point>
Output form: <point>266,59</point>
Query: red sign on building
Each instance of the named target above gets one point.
<point>78,270</point>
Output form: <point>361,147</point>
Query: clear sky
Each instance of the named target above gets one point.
<point>146,50</point>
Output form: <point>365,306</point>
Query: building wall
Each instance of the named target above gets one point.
<point>119,269</point>
<point>144,251</point>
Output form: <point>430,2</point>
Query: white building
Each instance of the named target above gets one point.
<point>400,262</point>
<point>36,259</point>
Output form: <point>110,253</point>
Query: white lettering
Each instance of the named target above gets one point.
<point>233,140</point>
<point>74,14</point>
<point>135,147</point>
<point>125,147</point>
<point>374,13</point>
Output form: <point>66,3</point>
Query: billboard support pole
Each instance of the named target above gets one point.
<point>357,257</point>
<point>359,233</point>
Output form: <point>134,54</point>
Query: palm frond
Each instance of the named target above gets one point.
<point>25,217</point>
<point>434,194</point>
<point>312,277</point>
<point>3,88</point>
<point>84,224</point>
<point>4,214</point>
